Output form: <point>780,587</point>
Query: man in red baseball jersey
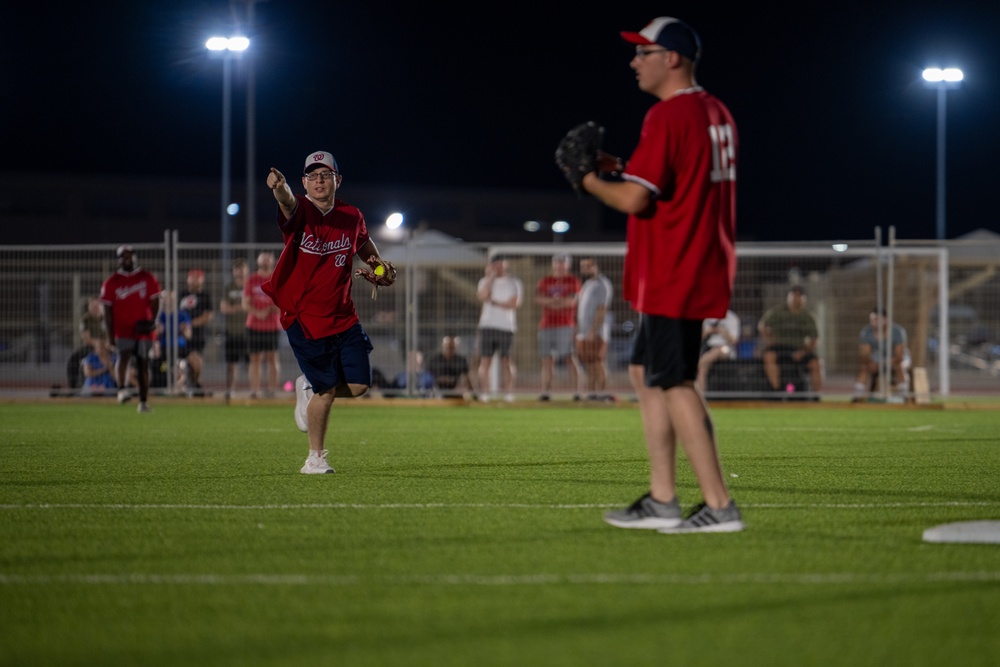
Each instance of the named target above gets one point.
<point>556,293</point>
<point>311,285</point>
<point>679,191</point>
<point>131,298</point>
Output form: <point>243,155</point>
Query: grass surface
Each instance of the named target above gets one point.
<point>459,536</point>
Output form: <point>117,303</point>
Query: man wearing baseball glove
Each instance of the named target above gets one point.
<point>679,192</point>
<point>311,284</point>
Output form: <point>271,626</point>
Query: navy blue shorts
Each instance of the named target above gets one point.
<point>335,360</point>
<point>668,350</point>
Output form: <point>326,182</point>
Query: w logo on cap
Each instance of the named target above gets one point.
<point>321,158</point>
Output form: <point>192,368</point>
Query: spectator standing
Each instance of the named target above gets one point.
<point>235,313</point>
<point>556,293</point>
<point>198,303</point>
<point>719,342</point>
<point>501,295</point>
<point>263,325</point>
<point>91,330</point>
<point>790,337</point>
<point>679,191</point>
<point>449,369</point>
<point>131,301</point>
<point>593,327</point>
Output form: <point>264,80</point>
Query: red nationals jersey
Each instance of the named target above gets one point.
<point>680,259</point>
<point>130,296</point>
<point>259,300</point>
<point>312,280</point>
<point>558,286</point>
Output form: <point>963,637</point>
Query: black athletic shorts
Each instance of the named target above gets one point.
<point>495,341</point>
<point>236,349</point>
<point>785,352</point>
<point>261,341</point>
<point>668,350</point>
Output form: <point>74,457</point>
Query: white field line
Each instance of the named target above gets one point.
<point>761,578</point>
<point>395,506</point>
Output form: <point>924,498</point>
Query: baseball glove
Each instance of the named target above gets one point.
<point>577,153</point>
<point>380,273</point>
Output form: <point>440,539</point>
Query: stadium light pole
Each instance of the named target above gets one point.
<point>942,80</point>
<point>395,223</point>
<point>226,47</point>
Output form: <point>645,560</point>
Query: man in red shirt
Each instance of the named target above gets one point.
<point>679,191</point>
<point>311,286</point>
<point>556,294</point>
<point>131,298</point>
<point>263,326</point>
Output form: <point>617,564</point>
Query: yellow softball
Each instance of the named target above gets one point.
<point>379,270</point>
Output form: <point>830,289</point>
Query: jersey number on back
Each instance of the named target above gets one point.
<point>723,153</point>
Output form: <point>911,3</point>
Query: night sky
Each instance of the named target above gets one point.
<point>837,130</point>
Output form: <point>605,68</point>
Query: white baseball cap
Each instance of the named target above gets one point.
<point>320,159</point>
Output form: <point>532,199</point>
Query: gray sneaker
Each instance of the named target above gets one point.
<point>704,519</point>
<point>646,513</point>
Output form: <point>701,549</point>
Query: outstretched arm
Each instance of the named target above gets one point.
<point>282,193</point>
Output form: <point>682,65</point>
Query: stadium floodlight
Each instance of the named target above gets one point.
<point>948,75</point>
<point>226,47</point>
<point>532,225</point>
<point>238,43</point>
<point>394,220</point>
<point>560,227</point>
<point>942,79</point>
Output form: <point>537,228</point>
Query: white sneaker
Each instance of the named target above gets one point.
<point>303,394</point>
<point>316,464</point>
<point>124,395</point>
<point>143,407</point>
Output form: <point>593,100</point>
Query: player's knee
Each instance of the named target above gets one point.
<point>357,390</point>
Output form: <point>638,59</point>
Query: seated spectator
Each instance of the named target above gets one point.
<point>790,338</point>
<point>91,328</point>
<point>873,352</point>
<point>424,380</point>
<point>98,369</point>
<point>165,337</point>
<point>719,339</point>
<point>449,369</point>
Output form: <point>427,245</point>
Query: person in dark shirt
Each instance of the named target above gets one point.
<point>449,368</point>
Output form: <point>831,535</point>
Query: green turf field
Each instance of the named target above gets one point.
<point>473,536</point>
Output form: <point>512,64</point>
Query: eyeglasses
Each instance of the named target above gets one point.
<point>322,175</point>
<point>642,53</point>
